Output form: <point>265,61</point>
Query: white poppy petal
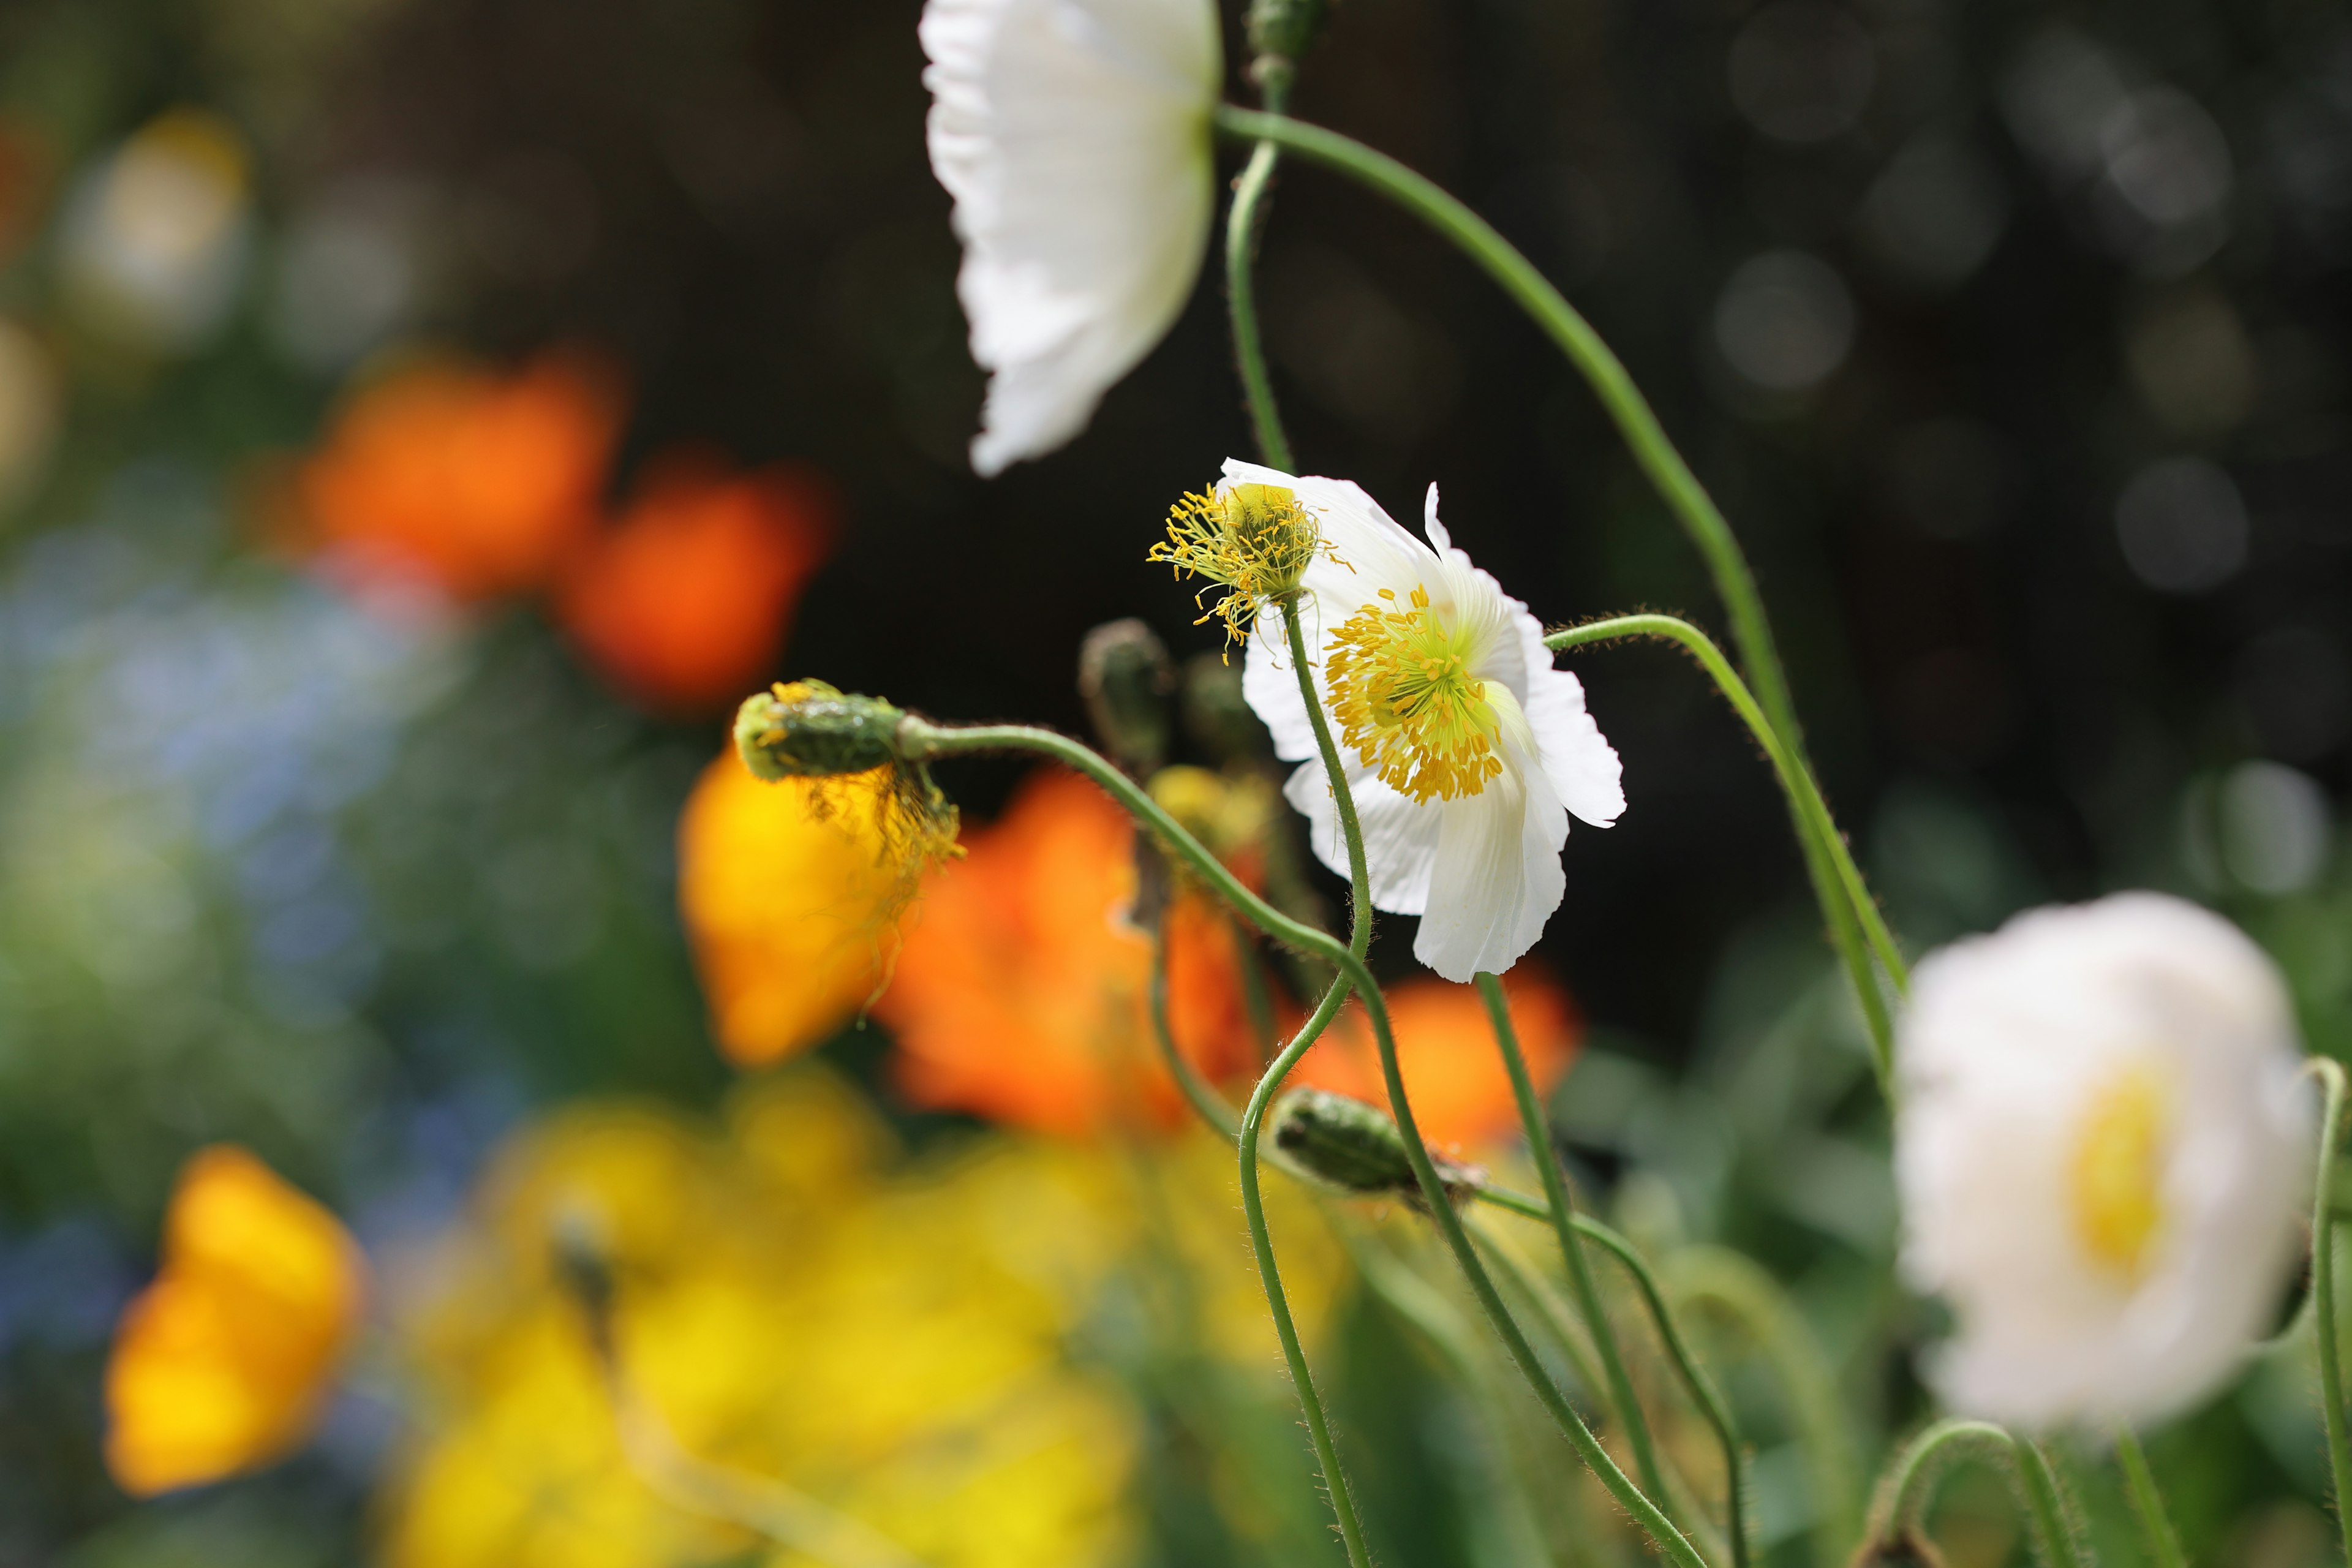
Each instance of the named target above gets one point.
<point>1496,879</point>
<point>2137,1295</point>
<point>1074,137</point>
<point>1583,767</point>
<point>1270,687</point>
<point>1400,834</point>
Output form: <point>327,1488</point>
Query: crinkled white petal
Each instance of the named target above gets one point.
<point>1400,835</point>
<point>2005,1047</point>
<point>1483,871</point>
<point>1074,138</point>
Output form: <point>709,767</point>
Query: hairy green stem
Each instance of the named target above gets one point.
<point>1852,914</point>
<point>1360,876</point>
<point>2053,1532</point>
<point>2323,1293</point>
<point>1202,1095</point>
<point>2154,1524</point>
<point>921,741</point>
<point>1636,422</point>
<point>1584,348</point>
<point>1538,1130</point>
<point>1739,1288</point>
<point>1241,224</point>
<point>1908,1490</point>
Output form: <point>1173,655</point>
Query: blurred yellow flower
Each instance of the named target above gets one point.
<point>796,1302</point>
<point>788,899</point>
<point>221,1363</point>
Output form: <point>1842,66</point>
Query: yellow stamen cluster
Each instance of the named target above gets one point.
<point>912,824</point>
<point>2116,1178</point>
<point>1404,697</point>
<point>1257,540</point>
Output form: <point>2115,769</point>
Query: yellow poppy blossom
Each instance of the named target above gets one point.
<point>788,893</point>
<point>221,1364</point>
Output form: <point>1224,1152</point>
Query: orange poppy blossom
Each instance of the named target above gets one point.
<point>221,1365</point>
<point>1021,992</point>
<point>687,600</point>
<point>446,478</point>
<point>1446,1049</point>
<point>789,892</point>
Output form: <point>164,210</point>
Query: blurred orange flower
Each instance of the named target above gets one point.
<point>1021,993</point>
<point>445,477</point>
<point>685,603</point>
<point>1446,1049</point>
<point>787,889</point>
<point>221,1365</point>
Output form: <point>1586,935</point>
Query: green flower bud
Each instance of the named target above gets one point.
<point>1125,677</point>
<point>1282,29</point>
<point>1355,1146</point>
<point>810,729</point>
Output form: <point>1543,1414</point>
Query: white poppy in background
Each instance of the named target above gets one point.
<point>1075,138</point>
<point>2104,1142</point>
<point>1465,750</point>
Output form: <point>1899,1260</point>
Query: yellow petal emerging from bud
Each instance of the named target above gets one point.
<point>790,891</point>
<point>220,1365</point>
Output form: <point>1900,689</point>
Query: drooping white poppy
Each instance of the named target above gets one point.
<point>1466,752</point>
<point>1075,138</point>
<point>2103,1143</point>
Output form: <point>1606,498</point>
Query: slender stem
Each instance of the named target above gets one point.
<point>1685,496</point>
<point>2163,1545</point>
<point>1907,1490</point>
<point>1533,1123</point>
<point>1584,348</point>
<point>1741,1287</point>
<point>1413,1300</point>
<point>921,741</point>
<point>2053,1533</point>
<point>1256,999</point>
<point>1242,225</point>
<point>2323,1292</point>
<point>1360,877</point>
<point>1549,1310</point>
<point>1702,1387</point>
<point>1845,897</point>
<point>1197,1089</point>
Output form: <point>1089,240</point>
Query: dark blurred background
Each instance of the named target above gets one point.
<point>2010,337</point>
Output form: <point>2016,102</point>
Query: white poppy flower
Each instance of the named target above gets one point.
<point>1466,752</point>
<point>2103,1143</point>
<point>1075,138</point>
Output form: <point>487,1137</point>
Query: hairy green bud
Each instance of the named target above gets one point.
<point>1125,677</point>
<point>811,730</point>
<point>1282,29</point>
<point>1355,1146</point>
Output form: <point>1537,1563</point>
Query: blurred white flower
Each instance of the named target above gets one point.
<point>2103,1143</point>
<point>155,240</point>
<point>1074,136</point>
<point>1465,750</point>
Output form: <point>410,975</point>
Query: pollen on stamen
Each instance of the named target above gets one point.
<point>1407,703</point>
<point>1255,540</point>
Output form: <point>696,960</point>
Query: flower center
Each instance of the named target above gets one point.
<point>2115,1179</point>
<point>1405,698</point>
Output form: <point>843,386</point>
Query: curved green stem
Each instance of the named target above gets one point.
<point>2053,1533</point>
<point>1636,422</point>
<point>1908,1490</point>
<point>1202,1095</point>
<point>2163,1545</point>
<point>1532,1123</point>
<point>1242,225</point>
<point>1741,1287</point>
<point>1360,876</point>
<point>1584,348</point>
<point>1851,913</point>
<point>920,741</point>
<point>2323,1292</point>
